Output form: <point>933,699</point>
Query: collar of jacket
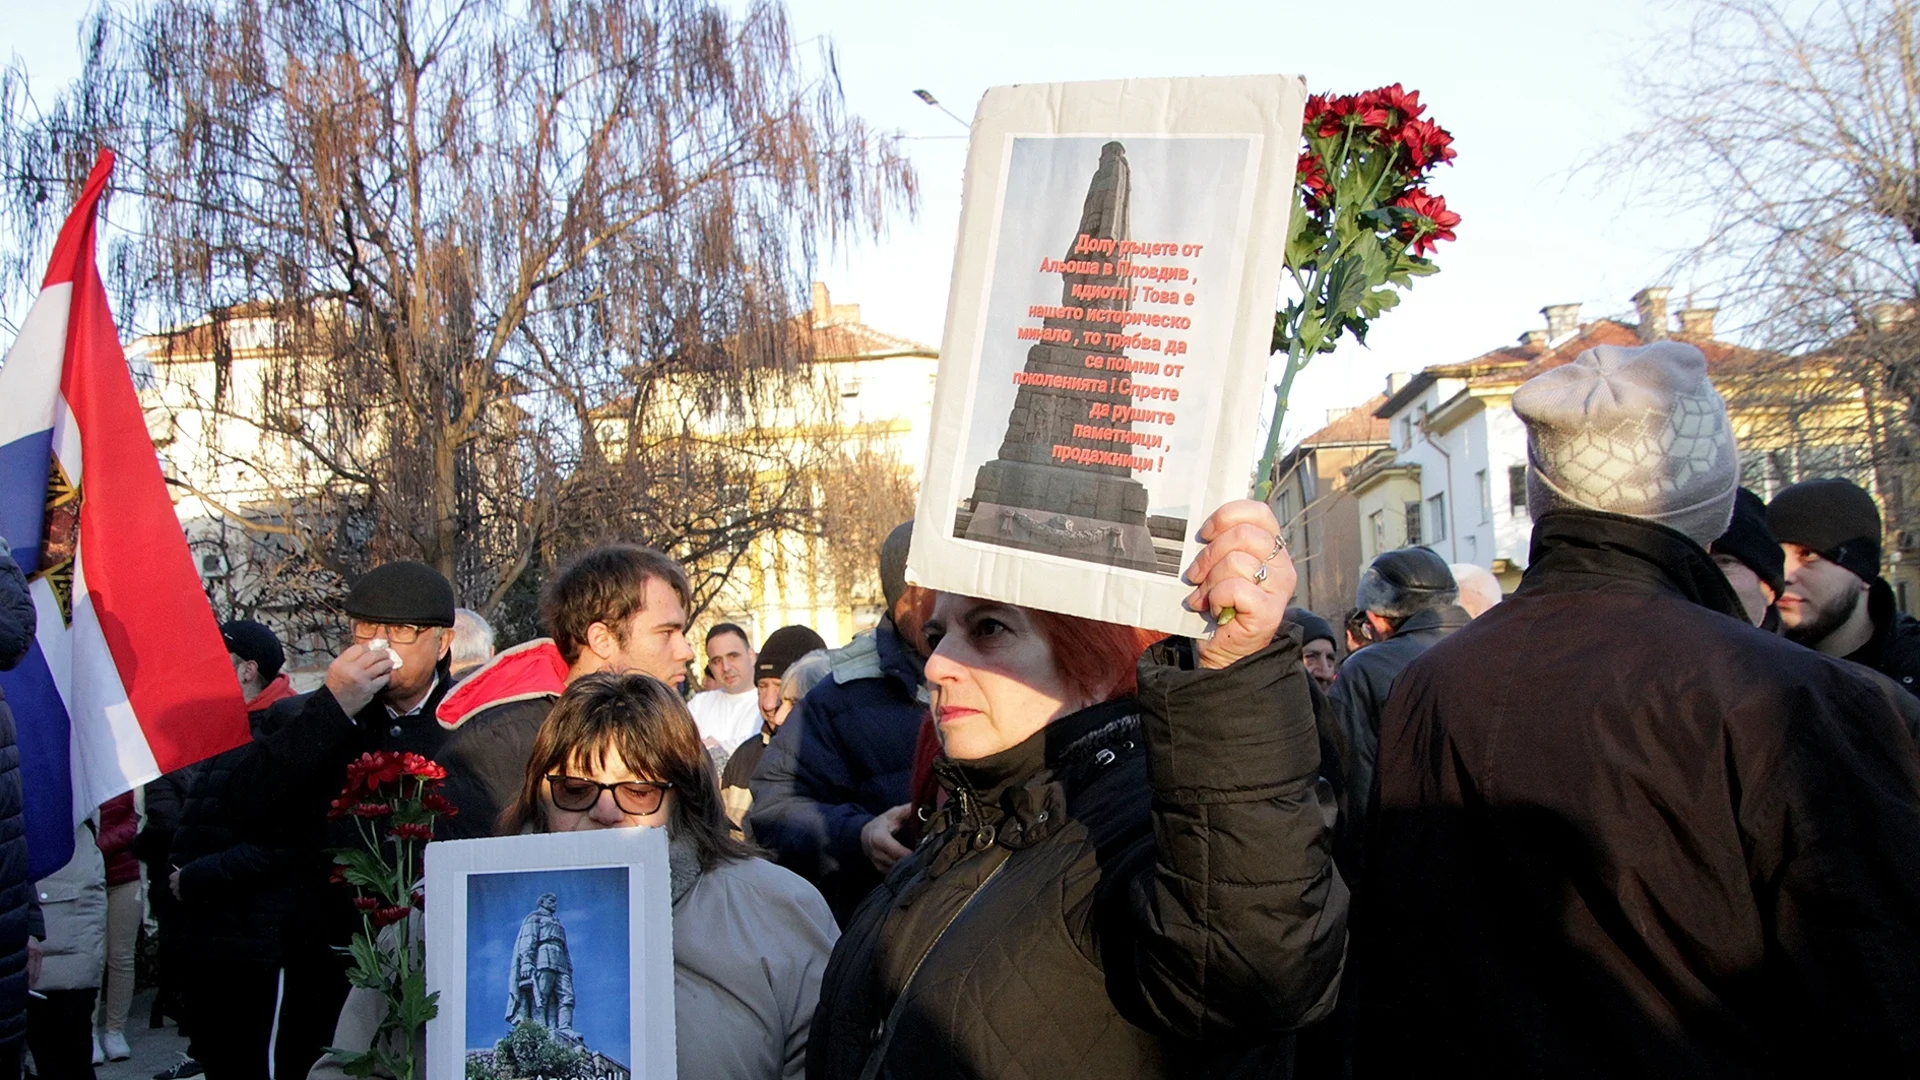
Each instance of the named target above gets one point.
<point>897,658</point>
<point>1885,613</point>
<point>1446,617</point>
<point>1018,797</point>
<point>1586,550</point>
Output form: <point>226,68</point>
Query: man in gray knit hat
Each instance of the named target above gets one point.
<point>1619,831</point>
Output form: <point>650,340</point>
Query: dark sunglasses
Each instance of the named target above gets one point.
<point>573,794</point>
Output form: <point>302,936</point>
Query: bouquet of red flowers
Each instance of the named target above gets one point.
<point>1363,226</point>
<point>393,800</point>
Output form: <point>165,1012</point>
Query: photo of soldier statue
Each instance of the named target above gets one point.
<point>540,983</point>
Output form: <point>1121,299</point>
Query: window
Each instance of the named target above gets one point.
<point>1437,510</point>
<point>1486,495</point>
<point>1406,433</point>
<point>1377,528</point>
<point>1412,512</point>
<point>1517,488</point>
<point>1283,507</point>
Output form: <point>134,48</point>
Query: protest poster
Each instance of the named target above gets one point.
<point>553,957</point>
<point>1108,329</point>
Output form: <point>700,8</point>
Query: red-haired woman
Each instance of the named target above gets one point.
<point>1132,872</point>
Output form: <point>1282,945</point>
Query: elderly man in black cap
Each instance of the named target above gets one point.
<point>1835,599</point>
<point>831,792</point>
<point>1410,601</point>
<point>380,694</point>
<point>1317,651</point>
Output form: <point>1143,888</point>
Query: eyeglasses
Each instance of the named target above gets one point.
<point>574,794</point>
<point>395,635</point>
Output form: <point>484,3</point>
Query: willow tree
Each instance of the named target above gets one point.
<point>475,228</point>
<point>1793,132</point>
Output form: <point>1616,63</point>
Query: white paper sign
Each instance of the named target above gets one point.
<point>1107,337</point>
<point>556,948</point>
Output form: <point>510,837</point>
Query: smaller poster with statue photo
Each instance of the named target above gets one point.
<point>553,957</point>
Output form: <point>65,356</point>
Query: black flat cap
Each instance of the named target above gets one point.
<point>402,593</point>
<point>253,641</point>
<point>1750,540</point>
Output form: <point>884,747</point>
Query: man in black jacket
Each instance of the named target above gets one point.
<point>380,695</point>
<point>19,915</point>
<point>831,790</point>
<point>1409,598</point>
<point>1620,831</point>
<point>1835,600</point>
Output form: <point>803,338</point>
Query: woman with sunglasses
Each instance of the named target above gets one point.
<point>1131,874</point>
<point>750,940</point>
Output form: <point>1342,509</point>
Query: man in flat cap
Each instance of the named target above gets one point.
<point>1835,599</point>
<point>380,694</point>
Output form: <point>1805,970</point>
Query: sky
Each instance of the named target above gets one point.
<point>1530,91</point>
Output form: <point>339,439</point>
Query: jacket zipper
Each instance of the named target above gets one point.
<point>883,1038</point>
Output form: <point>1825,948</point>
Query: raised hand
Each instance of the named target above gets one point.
<point>1243,578</point>
<point>357,676</point>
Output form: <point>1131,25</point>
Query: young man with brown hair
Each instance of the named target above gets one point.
<point>619,608</point>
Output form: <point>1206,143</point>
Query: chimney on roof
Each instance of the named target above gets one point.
<point>1887,316</point>
<point>1697,323</point>
<point>822,304</point>
<point>1563,320</point>
<point>1397,381</point>
<point>1535,337</point>
<point>1651,302</point>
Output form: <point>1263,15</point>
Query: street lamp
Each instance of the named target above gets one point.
<point>927,96</point>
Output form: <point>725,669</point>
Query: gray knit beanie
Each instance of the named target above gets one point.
<point>1633,431</point>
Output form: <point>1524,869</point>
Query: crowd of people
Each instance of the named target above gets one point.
<point>1655,813</point>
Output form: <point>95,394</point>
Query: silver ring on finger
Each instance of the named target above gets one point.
<point>1279,545</point>
<point>1260,575</point>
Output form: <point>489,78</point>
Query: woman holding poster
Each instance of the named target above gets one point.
<point>1132,874</point>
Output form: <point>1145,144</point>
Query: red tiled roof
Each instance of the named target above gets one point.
<point>1356,425</point>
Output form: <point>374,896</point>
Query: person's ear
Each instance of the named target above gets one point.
<point>446,643</point>
<point>601,640</point>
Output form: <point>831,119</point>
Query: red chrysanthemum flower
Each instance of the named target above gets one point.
<point>1404,102</point>
<point>387,916</point>
<point>421,768</point>
<point>339,875</point>
<point>407,831</point>
<point>1434,222</point>
<point>367,903</point>
<point>420,899</point>
<point>1315,188</point>
<point>1426,143</point>
<point>436,803</point>
<point>372,810</point>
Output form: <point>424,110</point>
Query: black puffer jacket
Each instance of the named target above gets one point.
<point>844,756</point>
<point>1142,889</point>
<point>17,626</point>
<point>235,893</point>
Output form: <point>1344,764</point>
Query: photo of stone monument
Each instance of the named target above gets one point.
<point>561,1021</point>
<point>1025,497</point>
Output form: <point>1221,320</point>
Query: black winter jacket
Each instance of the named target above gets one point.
<point>1620,832</point>
<point>17,909</point>
<point>486,759</point>
<point>282,783</point>
<point>1359,697</point>
<point>1142,889</point>
<point>1894,649</point>
<point>844,756</point>
<point>235,893</point>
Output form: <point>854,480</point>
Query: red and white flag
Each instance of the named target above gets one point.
<point>129,677</point>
